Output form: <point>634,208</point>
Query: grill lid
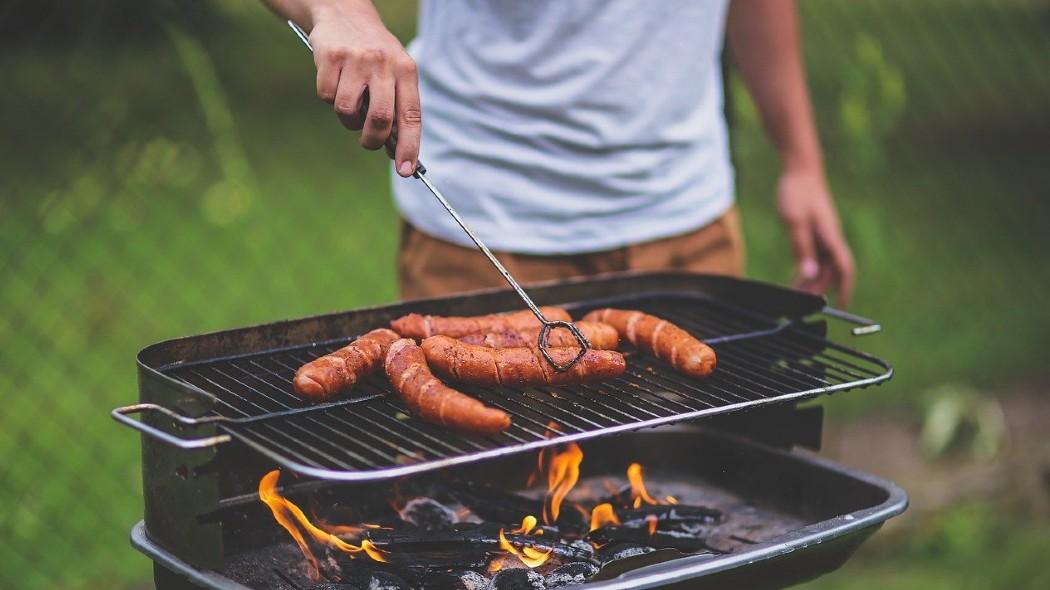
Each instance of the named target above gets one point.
<point>370,435</point>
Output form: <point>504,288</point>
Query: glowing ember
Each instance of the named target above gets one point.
<point>288,514</point>
<point>638,491</point>
<point>603,514</point>
<point>561,477</point>
<point>651,521</point>
<point>530,556</point>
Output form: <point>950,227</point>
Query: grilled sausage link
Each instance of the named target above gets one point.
<point>517,367</point>
<point>433,401</point>
<point>601,336</point>
<point>661,339</point>
<point>419,327</point>
<point>338,371</point>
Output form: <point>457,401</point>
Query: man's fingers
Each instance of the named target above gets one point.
<point>409,119</point>
<point>348,99</point>
<point>805,252</point>
<point>841,259</point>
<point>380,117</point>
<point>327,80</point>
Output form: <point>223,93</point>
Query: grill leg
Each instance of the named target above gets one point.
<point>165,579</point>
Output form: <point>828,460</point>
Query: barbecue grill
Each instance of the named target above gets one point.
<point>218,411</point>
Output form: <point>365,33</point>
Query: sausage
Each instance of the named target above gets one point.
<point>433,401</point>
<point>661,339</point>
<point>419,327</point>
<point>338,371</point>
<point>601,336</point>
<point>517,367</point>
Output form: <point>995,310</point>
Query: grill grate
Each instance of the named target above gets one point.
<point>371,436</point>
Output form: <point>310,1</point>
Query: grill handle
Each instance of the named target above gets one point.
<point>864,325</point>
<point>123,415</point>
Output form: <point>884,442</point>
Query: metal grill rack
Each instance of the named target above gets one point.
<point>371,436</point>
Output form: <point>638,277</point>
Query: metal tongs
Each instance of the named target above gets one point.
<point>543,339</point>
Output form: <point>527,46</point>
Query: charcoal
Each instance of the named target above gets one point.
<point>517,579</point>
<point>667,514</point>
<point>615,551</point>
<point>428,514</point>
<point>367,580</point>
<point>682,541</point>
<point>571,574</point>
<point>458,580</point>
<point>496,505</point>
<point>464,540</point>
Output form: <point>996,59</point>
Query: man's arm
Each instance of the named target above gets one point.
<point>355,53</point>
<point>764,40</point>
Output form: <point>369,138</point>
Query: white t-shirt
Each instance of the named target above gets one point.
<point>570,126</point>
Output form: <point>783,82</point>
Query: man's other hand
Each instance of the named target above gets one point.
<point>822,256</point>
<point>355,54</point>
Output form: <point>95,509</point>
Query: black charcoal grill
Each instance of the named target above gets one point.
<point>219,412</point>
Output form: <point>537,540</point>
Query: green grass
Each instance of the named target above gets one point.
<point>149,193</point>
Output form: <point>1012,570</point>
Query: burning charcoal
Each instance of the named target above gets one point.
<point>583,547</point>
<point>570,574</point>
<point>670,513</point>
<point>682,541</point>
<point>428,514</point>
<point>517,579</point>
<point>496,505</point>
<point>367,580</point>
<point>470,580</point>
<point>615,551</point>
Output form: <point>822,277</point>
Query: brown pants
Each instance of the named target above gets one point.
<point>428,266</point>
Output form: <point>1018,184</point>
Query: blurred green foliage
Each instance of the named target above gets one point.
<point>189,181</point>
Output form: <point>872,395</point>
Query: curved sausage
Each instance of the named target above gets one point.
<point>433,401</point>
<point>419,326</point>
<point>338,371</point>
<point>661,339</point>
<point>517,367</point>
<point>601,336</point>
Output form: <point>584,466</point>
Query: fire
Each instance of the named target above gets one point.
<point>527,524</point>
<point>562,475</point>
<point>603,514</point>
<point>670,499</point>
<point>288,514</point>
<point>552,429</point>
<point>530,556</point>
<point>638,491</point>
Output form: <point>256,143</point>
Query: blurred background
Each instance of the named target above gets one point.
<point>167,169</point>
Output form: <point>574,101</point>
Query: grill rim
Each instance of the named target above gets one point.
<point>779,302</point>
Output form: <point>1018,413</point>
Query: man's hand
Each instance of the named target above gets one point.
<point>359,62</point>
<point>822,257</point>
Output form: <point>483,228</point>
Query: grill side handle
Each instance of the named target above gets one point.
<point>123,415</point>
<point>864,325</point>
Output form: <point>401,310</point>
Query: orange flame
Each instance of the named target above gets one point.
<point>638,491</point>
<point>287,514</point>
<point>527,524</point>
<point>603,514</point>
<point>552,429</point>
<point>670,499</point>
<point>530,556</point>
<point>561,477</point>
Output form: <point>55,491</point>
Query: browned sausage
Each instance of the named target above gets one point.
<point>338,371</point>
<point>419,327</point>
<point>517,367</point>
<point>433,401</point>
<point>601,336</point>
<point>661,339</point>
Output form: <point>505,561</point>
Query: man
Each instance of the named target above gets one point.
<point>577,136</point>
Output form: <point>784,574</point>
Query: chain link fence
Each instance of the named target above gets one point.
<point>167,170</point>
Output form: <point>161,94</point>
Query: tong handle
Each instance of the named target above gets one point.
<point>864,325</point>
